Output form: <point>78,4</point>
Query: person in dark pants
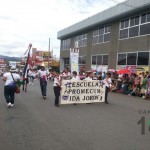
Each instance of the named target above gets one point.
<point>10,86</point>
<point>57,88</point>
<point>108,82</point>
<point>43,74</point>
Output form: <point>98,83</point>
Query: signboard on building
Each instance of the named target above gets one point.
<point>46,55</point>
<point>81,91</point>
<point>74,59</point>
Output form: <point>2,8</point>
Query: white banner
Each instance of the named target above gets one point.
<point>74,58</point>
<point>81,91</point>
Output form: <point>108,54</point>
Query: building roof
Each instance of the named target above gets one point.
<point>107,16</point>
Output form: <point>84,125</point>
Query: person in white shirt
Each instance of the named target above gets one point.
<point>57,88</point>
<point>89,76</point>
<point>75,76</point>
<point>66,74</point>
<point>107,82</point>
<point>10,86</point>
<point>31,76</point>
<point>43,74</point>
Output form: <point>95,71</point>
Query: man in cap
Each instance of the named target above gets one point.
<point>43,74</point>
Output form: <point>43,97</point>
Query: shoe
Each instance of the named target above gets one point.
<point>44,97</point>
<point>8,105</point>
<point>57,105</point>
<point>12,105</point>
<point>106,103</point>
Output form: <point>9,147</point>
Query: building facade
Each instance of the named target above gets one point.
<point>118,37</point>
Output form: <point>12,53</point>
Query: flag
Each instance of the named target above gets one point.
<point>28,63</point>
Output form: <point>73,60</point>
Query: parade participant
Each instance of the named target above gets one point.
<point>31,76</point>
<point>107,81</point>
<point>99,76</point>
<point>10,86</point>
<point>75,76</point>
<point>66,74</point>
<point>57,88</point>
<point>25,82</point>
<point>89,75</point>
<point>43,73</point>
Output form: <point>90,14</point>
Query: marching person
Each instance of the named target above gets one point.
<point>10,86</point>
<point>57,88</point>
<point>108,82</point>
<point>66,74</point>
<point>43,74</point>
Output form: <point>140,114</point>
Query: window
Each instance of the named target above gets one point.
<point>123,33</point>
<point>134,31</point>
<point>134,21</point>
<point>105,60</point>
<point>82,60</point>
<point>66,62</point>
<point>101,35</point>
<point>131,58</point>
<point>145,18</point>
<point>65,44</point>
<point>143,58</point>
<point>121,59</point>
<point>94,58</point>
<point>99,59</point>
<point>145,29</point>
<point>82,39</point>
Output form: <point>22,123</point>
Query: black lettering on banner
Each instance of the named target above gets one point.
<point>73,84</point>
<point>74,98</point>
<point>87,91</point>
<point>82,91</point>
<point>98,91</point>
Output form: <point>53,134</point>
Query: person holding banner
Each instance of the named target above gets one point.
<point>107,82</point>
<point>57,88</point>
<point>75,76</point>
<point>66,74</point>
<point>89,75</point>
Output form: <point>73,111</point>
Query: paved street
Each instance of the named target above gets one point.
<point>36,124</point>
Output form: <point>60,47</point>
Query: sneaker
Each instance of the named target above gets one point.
<point>12,105</point>
<point>44,97</point>
<point>8,105</point>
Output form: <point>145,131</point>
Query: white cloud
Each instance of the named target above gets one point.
<point>34,21</point>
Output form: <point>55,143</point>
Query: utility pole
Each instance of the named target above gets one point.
<point>49,54</point>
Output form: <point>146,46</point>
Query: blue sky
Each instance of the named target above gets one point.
<point>34,21</point>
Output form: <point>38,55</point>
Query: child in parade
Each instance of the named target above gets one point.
<point>108,82</point>
<point>57,88</point>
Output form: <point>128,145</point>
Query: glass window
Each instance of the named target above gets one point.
<point>95,39</point>
<point>105,60</point>
<point>123,33</point>
<point>121,59</point>
<point>132,22</point>
<point>126,23</point>
<point>122,24</point>
<point>131,58</point>
<point>143,58</point>
<point>83,60</point>
<point>93,60</point>
<point>145,29</point>
<point>107,29</point>
<point>99,60</point>
<point>106,37</point>
<point>80,60</point>
<point>134,31</point>
<point>101,39</point>
<point>137,19</point>
<point>143,18</point>
<point>148,17</point>
<point>95,33</point>
<point>101,31</point>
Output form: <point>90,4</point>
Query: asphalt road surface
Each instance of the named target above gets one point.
<point>36,124</point>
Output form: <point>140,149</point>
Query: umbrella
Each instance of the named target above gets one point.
<point>123,71</point>
<point>111,70</point>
